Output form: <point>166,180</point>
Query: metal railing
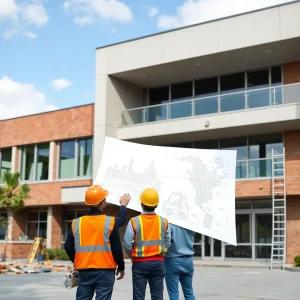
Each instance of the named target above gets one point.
<point>221,103</point>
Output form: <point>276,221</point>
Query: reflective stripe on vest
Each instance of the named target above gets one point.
<point>140,243</point>
<point>77,233</point>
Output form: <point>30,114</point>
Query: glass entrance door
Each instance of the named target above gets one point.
<point>213,249</point>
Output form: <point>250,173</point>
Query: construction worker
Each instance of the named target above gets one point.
<point>179,263</point>
<point>93,245</point>
<point>146,242</point>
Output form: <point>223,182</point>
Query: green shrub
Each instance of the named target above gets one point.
<point>297,261</point>
<point>57,254</point>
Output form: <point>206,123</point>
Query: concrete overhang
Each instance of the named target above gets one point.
<point>250,58</point>
<point>73,194</point>
<point>230,124</point>
<point>248,41</point>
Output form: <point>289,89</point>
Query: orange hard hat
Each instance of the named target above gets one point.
<point>95,194</point>
<point>149,197</point>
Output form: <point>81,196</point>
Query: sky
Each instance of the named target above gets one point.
<point>48,47</point>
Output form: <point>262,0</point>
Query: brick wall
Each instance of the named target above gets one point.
<point>293,228</point>
<point>49,193</point>
<point>19,224</point>
<point>253,188</point>
<point>16,250</point>
<point>56,226</point>
<point>292,153</point>
<point>291,72</point>
<point>56,125</point>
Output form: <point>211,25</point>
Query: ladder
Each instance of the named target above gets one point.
<point>278,254</point>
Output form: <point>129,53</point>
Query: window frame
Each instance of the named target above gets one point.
<point>76,154</point>
<point>11,159</point>
<point>35,162</point>
<point>38,221</point>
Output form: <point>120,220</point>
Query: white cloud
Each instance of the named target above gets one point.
<point>30,35</point>
<point>87,11</point>
<point>197,11</point>
<point>83,20</point>
<point>16,16</point>
<point>61,83</point>
<point>153,11</point>
<point>20,99</point>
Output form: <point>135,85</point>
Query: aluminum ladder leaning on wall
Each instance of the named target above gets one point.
<point>278,254</point>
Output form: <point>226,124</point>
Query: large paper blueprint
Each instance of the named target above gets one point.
<point>196,187</point>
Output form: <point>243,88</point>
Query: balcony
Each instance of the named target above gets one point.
<point>219,104</point>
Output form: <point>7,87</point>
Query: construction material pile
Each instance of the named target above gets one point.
<point>17,267</point>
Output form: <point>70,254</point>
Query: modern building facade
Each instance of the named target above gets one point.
<point>232,83</point>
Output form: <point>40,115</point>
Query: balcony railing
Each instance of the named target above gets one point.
<point>246,100</point>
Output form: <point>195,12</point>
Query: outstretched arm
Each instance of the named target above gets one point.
<point>122,216</point>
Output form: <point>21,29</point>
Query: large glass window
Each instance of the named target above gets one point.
<point>75,158</point>
<point>5,161</point>
<point>263,235</point>
<point>158,96</point>
<point>35,162</point>
<point>37,224</point>
<point>211,144</point>
<point>243,234</point>
<point>260,153</point>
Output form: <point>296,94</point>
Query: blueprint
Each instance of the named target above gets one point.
<point>196,187</point>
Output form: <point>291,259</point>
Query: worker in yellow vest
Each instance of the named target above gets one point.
<point>146,242</point>
<point>94,246</point>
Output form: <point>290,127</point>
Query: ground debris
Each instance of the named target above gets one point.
<point>16,267</point>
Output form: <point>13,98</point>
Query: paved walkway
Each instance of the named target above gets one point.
<point>209,283</point>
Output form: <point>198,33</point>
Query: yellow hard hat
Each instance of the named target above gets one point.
<point>149,197</point>
<point>95,194</point>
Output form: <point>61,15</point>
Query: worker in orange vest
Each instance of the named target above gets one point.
<point>146,241</point>
<point>93,245</point>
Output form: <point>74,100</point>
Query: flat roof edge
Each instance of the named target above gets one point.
<point>198,24</point>
<point>47,112</point>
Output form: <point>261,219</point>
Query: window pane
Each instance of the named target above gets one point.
<point>33,216</point>
<point>263,251</point>
<point>182,91</point>
<point>6,155</point>
<point>263,228</point>
<point>206,87</point>
<point>43,161</point>
<point>159,95</point>
<point>43,216</point>
<point>27,170</point>
<point>2,230</point>
<point>43,230</point>
<point>32,230</point>
<point>258,79</point>
<point>238,252</point>
<point>239,144</point>
<point>85,158</point>
<point>276,76</point>
<point>69,215</point>
<point>262,204</point>
<point>67,159</point>
<point>243,228</point>
<point>233,83</point>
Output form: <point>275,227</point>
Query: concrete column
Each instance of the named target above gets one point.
<point>49,226</point>
<point>51,161</point>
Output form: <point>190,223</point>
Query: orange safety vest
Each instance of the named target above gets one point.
<point>92,245</point>
<point>149,239</point>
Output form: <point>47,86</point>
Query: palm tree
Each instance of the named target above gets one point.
<point>12,196</point>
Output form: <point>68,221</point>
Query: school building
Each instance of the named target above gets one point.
<point>232,83</point>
